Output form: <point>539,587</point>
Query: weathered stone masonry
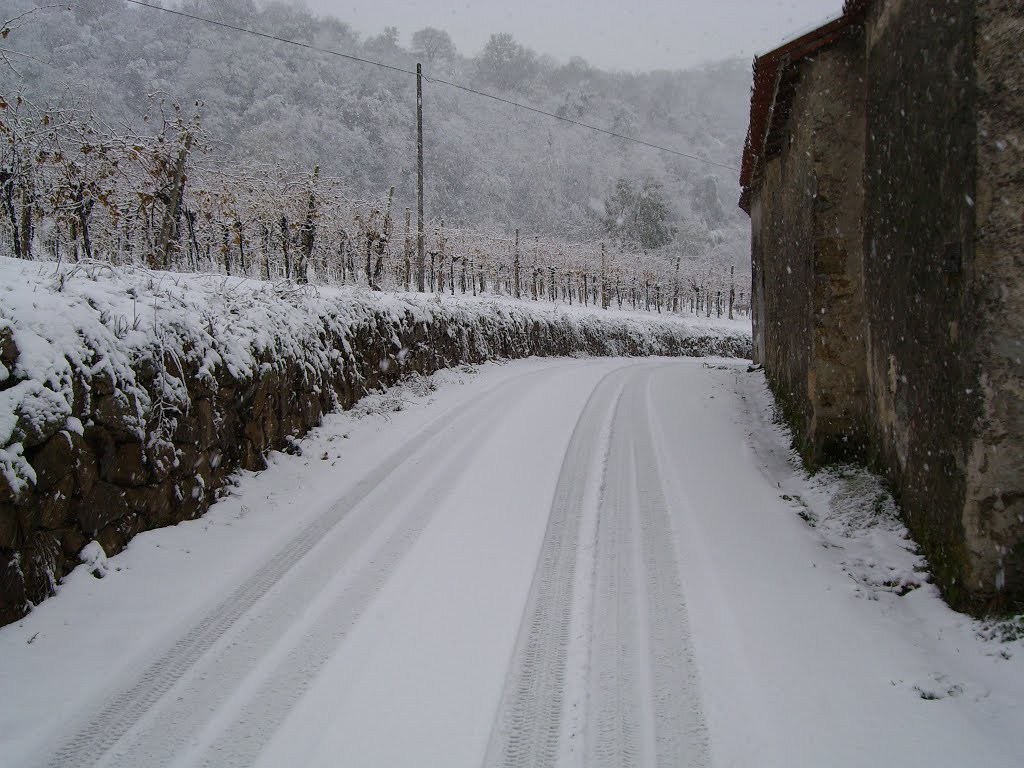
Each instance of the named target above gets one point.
<point>884,176</point>
<point>806,222</point>
<point>113,481</point>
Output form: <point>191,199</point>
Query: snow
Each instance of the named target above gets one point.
<point>815,635</point>
<point>806,638</point>
<point>95,559</point>
<point>100,321</point>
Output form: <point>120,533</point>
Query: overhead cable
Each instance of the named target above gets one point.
<point>428,78</point>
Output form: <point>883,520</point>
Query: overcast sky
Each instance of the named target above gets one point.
<point>635,35</point>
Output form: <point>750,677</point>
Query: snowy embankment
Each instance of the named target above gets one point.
<point>127,397</point>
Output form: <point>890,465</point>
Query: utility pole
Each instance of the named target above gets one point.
<point>420,259</point>
<point>515,265</point>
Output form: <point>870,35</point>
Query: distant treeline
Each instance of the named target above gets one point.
<point>259,116</point>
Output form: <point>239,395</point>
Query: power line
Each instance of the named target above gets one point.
<point>582,125</point>
<point>429,79</point>
<point>267,36</point>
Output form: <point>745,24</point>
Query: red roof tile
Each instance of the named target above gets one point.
<point>768,100</point>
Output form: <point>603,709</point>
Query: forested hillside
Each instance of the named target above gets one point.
<point>266,108</point>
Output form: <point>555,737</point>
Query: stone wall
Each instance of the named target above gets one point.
<point>919,266</point>
<point>837,376</point>
<point>782,240</point>
<point>915,275</point>
<point>806,234</point>
<point>108,479</point>
<point>994,507</point>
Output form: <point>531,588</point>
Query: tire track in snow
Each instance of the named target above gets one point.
<point>644,703</point>
<point>528,730</point>
<point>254,682</point>
<point>96,734</point>
<point>612,734</point>
<point>641,694</point>
<point>680,731</point>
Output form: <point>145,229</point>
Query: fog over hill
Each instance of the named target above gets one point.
<point>487,163</point>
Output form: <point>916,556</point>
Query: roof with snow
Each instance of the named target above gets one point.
<point>775,79</point>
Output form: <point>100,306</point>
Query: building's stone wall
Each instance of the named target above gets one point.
<point>782,244</point>
<point>838,377</point>
<point>994,511</point>
<point>758,254</point>
<point>806,236</point>
<point>918,355</point>
<point>919,266</point>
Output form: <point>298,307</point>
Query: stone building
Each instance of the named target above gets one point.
<point>884,178</point>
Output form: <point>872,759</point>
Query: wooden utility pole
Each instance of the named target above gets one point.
<point>515,266</point>
<point>420,259</point>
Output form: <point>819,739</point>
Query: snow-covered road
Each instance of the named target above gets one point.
<point>574,563</point>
